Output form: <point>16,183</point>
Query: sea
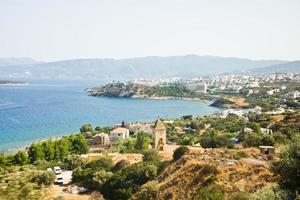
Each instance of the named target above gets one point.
<point>45,109</point>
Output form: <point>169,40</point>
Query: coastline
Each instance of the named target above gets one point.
<point>197,99</point>
<point>14,84</point>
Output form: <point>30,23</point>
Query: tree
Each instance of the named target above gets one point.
<point>289,165</point>
<point>48,149</point>
<point>20,158</point>
<point>256,127</point>
<point>5,160</point>
<point>86,128</point>
<point>62,147</point>
<point>78,144</point>
<point>35,153</point>
<point>142,141</point>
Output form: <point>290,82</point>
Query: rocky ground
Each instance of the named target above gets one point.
<point>182,179</point>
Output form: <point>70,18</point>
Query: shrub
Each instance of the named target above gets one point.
<point>124,183</point>
<point>43,178</point>
<point>210,192</point>
<point>179,152</point>
<point>105,163</point>
<point>289,165</point>
<point>240,154</point>
<point>100,177</point>
<point>73,161</point>
<point>43,164</point>
<point>149,191</point>
<point>268,140</point>
<point>213,140</point>
<point>271,193</point>
<point>20,158</point>
<point>240,196</point>
<point>121,164</point>
<point>252,140</point>
<point>150,171</point>
<point>151,155</point>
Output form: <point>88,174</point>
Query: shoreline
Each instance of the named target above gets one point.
<point>14,84</point>
<point>196,99</point>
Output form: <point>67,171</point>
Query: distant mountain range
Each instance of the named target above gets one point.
<point>290,67</point>
<point>5,62</point>
<point>120,69</point>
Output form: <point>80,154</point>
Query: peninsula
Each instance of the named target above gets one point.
<point>160,91</point>
<point>11,82</point>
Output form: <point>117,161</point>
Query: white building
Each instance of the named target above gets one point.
<point>119,134</point>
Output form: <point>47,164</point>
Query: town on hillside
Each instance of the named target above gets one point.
<point>240,152</point>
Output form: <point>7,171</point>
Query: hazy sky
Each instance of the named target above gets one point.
<point>67,29</point>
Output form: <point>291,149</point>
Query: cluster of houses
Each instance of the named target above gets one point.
<point>121,132</point>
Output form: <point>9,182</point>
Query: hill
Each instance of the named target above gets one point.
<point>184,178</point>
<point>290,67</point>
<point>144,67</point>
<point>6,62</point>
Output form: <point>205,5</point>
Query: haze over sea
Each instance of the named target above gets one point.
<point>45,109</point>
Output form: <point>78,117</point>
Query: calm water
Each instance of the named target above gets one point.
<point>39,111</point>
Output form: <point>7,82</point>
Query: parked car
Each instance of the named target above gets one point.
<point>59,181</point>
<point>57,170</point>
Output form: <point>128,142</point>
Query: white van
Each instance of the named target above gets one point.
<point>57,170</point>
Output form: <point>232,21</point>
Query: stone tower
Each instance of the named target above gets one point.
<point>159,135</point>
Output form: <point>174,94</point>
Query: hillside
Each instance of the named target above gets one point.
<point>132,90</point>
<point>231,102</point>
<point>183,179</point>
<point>145,67</point>
<point>6,62</point>
<point>290,67</point>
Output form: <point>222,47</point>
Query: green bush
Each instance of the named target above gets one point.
<point>43,164</point>
<point>210,192</point>
<point>289,165</point>
<point>151,155</point>
<point>124,183</point>
<point>149,191</point>
<point>273,192</point>
<point>73,161</point>
<point>240,196</point>
<point>20,158</point>
<point>212,139</point>
<point>120,165</point>
<point>105,163</point>
<point>179,152</point>
<point>252,140</point>
<point>43,177</point>
<point>100,178</point>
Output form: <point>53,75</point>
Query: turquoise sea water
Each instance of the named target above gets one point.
<point>39,111</point>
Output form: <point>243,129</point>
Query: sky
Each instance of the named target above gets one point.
<point>50,30</point>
